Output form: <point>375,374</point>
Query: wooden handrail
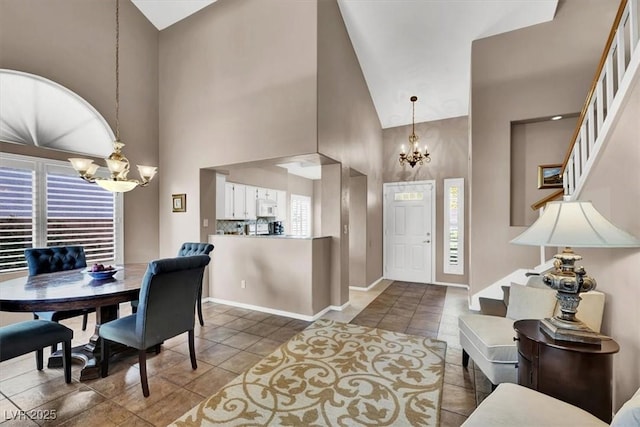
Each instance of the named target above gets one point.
<point>553,196</point>
<point>585,108</point>
<point>594,84</point>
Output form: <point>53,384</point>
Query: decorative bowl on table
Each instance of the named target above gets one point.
<point>104,273</point>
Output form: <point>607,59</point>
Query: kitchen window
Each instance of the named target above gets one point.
<point>300,215</point>
<point>44,203</point>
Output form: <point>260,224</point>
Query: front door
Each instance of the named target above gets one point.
<point>408,231</point>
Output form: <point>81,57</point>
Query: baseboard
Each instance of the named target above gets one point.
<point>453,285</point>
<point>368,288</point>
<point>278,312</point>
<point>338,307</point>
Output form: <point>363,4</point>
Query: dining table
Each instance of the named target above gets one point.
<point>70,290</point>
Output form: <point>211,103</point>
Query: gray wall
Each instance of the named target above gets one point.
<point>614,189</point>
<point>533,144</point>
<point>72,42</point>
<point>550,71</point>
<point>448,143</point>
<point>348,131</point>
<point>537,71</point>
<point>236,87</point>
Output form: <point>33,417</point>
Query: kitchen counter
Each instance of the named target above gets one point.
<point>282,274</point>
<point>272,236</point>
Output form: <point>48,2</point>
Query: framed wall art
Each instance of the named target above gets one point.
<point>549,176</point>
<point>179,202</point>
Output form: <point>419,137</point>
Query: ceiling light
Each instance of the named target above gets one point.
<point>414,156</point>
<point>117,163</point>
<point>556,117</point>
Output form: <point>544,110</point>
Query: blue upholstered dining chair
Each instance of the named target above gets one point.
<point>51,260</point>
<point>189,249</point>
<point>167,302</point>
<point>194,248</point>
<point>34,335</point>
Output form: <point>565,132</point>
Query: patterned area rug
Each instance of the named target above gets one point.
<point>334,374</point>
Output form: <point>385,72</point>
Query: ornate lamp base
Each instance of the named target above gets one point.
<point>569,282</point>
<point>575,331</point>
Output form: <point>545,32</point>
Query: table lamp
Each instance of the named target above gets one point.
<point>572,224</point>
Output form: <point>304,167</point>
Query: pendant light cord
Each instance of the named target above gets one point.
<point>413,118</point>
<point>117,70</point>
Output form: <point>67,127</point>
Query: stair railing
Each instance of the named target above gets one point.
<point>618,64</point>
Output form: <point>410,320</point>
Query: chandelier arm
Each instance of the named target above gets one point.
<point>117,163</point>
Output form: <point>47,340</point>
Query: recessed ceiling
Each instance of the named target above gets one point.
<point>408,47</point>
<point>305,170</point>
<point>164,13</point>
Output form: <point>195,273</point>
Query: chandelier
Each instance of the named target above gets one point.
<point>117,163</point>
<point>414,156</point>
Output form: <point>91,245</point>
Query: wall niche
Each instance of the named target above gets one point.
<point>535,142</point>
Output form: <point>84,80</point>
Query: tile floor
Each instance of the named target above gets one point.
<point>232,340</point>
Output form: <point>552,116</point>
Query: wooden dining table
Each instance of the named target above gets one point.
<point>70,290</point>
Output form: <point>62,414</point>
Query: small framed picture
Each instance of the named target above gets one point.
<point>549,176</point>
<point>179,202</point>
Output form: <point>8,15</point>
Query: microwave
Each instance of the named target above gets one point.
<point>266,207</point>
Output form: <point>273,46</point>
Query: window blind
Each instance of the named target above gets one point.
<point>81,214</point>
<point>454,226</point>
<point>300,215</point>
<point>44,203</point>
<point>16,217</point>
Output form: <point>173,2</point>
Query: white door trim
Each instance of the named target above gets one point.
<point>387,185</point>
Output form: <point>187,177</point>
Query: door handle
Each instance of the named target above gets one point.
<point>426,241</point>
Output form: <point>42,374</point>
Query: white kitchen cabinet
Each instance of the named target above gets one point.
<point>239,201</point>
<point>242,199</point>
<point>228,200</point>
<point>281,200</point>
<point>265,193</point>
<point>250,202</point>
<point>221,181</point>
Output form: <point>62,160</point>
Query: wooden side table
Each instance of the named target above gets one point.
<point>579,374</point>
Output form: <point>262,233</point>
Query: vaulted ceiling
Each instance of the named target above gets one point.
<point>407,47</point>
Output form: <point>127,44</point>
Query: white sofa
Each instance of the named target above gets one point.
<point>489,340</point>
<point>513,405</point>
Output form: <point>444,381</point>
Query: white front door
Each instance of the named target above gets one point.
<point>408,231</point>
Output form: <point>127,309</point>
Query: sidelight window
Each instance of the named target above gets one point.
<point>454,226</point>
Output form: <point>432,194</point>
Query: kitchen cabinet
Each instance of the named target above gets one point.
<point>228,200</point>
<point>265,193</point>
<point>221,196</point>
<point>250,202</point>
<point>235,201</point>
<point>239,202</point>
<point>281,200</point>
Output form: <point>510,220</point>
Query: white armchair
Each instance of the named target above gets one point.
<point>514,405</point>
<point>489,339</point>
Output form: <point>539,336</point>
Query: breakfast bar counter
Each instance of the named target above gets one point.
<point>285,274</point>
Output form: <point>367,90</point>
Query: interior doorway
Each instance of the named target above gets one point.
<point>357,229</point>
<point>409,231</point>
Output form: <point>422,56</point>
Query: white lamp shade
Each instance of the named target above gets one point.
<point>116,166</point>
<point>575,224</point>
<point>93,168</point>
<point>81,165</point>
<point>147,172</point>
<point>116,186</point>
